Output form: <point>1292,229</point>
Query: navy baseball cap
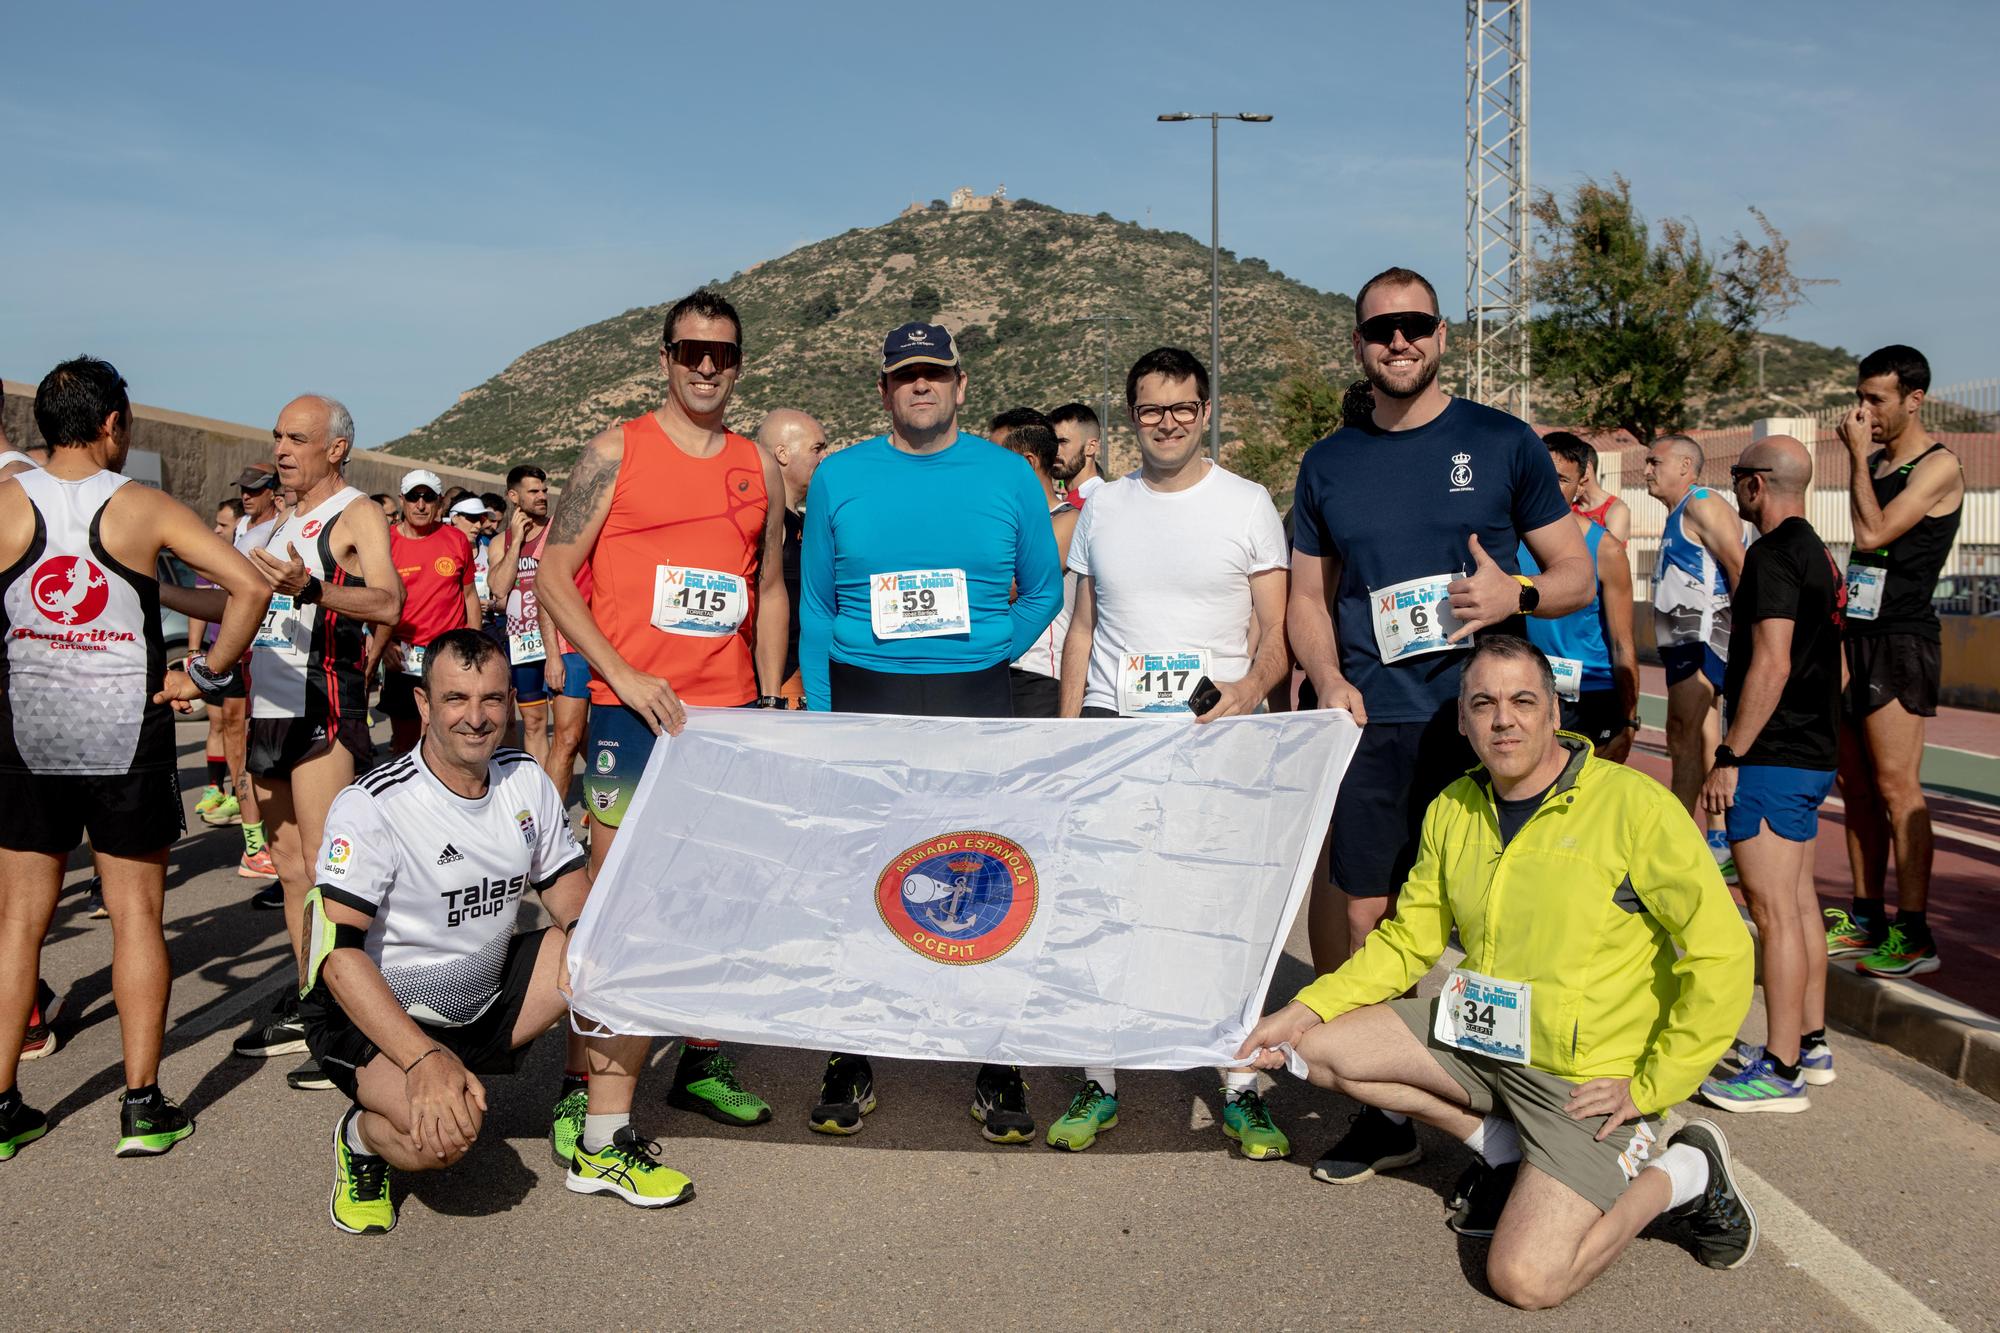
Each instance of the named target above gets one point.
<point>918,344</point>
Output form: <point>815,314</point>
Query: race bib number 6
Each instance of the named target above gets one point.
<point>1158,682</point>
<point>704,603</point>
<point>1414,618</point>
<point>918,604</point>
<point>1484,1015</point>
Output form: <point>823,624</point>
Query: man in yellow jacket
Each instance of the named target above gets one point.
<point>1606,971</point>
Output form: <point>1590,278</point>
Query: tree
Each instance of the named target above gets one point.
<point>925,300</point>
<point>821,309</point>
<point>1630,327</point>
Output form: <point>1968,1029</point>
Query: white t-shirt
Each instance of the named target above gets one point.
<point>443,876</point>
<point>1171,572</point>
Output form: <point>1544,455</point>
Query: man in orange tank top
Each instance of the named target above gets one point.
<point>680,522</point>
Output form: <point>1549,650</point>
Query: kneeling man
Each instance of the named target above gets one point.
<point>1606,970</point>
<point>416,982</point>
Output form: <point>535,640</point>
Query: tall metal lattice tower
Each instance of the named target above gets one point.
<point>1497,254</point>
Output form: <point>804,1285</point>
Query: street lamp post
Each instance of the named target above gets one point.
<point>1215,119</point>
<point>1104,463</point>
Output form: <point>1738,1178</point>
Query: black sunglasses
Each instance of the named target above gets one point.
<point>1739,472</point>
<point>1412,324</point>
<point>691,352</point>
<point>421,495</point>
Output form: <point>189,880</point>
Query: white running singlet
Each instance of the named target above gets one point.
<point>443,876</point>
<point>306,661</point>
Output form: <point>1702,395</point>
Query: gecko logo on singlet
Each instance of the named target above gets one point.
<point>69,589</point>
<point>486,898</point>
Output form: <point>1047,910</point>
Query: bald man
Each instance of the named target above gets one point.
<point>798,442</point>
<point>1699,560</point>
<point>1775,766</point>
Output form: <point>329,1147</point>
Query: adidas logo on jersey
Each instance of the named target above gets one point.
<point>449,855</point>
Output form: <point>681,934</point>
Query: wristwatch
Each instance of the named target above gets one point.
<point>1531,596</point>
<point>1725,757</point>
<point>311,592</point>
<point>1633,724</point>
<point>773,701</point>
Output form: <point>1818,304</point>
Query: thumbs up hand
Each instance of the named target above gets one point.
<point>1486,596</point>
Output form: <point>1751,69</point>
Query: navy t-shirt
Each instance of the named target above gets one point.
<point>1399,505</point>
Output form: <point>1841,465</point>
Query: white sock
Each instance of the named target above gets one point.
<point>1236,1082</point>
<point>356,1143</point>
<point>1687,1169</point>
<point>599,1129</point>
<point>1107,1078</point>
<point>1496,1141</point>
<point>1396,1117</point>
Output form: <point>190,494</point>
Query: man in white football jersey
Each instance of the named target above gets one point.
<point>416,982</point>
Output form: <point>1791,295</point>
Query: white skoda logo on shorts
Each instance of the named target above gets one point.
<point>1461,473</point>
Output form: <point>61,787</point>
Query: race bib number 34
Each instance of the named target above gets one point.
<point>1158,682</point>
<point>1414,618</point>
<point>1484,1015</point>
<point>704,603</point>
<point>918,604</point>
<point>1864,591</point>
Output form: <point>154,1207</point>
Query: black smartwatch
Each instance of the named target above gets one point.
<point>1531,596</point>
<point>310,594</point>
<point>773,701</point>
<point>1633,724</point>
<point>1725,757</point>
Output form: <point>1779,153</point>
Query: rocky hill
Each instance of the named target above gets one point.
<point>1013,282</point>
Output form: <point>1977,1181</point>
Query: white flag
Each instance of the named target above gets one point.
<point>1072,892</point>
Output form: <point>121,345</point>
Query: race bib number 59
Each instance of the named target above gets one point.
<point>918,604</point>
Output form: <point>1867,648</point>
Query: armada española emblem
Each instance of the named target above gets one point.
<point>1461,472</point>
<point>959,898</point>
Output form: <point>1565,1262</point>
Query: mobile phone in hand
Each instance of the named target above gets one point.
<point>1204,697</point>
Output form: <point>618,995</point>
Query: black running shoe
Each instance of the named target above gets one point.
<point>281,1032</point>
<point>1000,1105</point>
<point>151,1126</point>
<point>1480,1197</point>
<point>1720,1227</point>
<point>846,1093</point>
<point>269,898</point>
<point>20,1125</point>
<point>309,1077</point>
<point>1372,1143</point>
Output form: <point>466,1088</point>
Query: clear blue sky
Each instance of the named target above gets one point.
<point>390,202</point>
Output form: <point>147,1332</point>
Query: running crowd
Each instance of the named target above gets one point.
<point>1455,582</point>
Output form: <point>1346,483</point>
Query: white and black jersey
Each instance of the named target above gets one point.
<point>443,876</point>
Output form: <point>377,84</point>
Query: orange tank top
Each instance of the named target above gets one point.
<point>674,574</point>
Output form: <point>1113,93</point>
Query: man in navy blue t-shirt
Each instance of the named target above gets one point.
<point>1412,518</point>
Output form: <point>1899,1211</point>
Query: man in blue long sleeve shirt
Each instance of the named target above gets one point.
<point>929,565</point>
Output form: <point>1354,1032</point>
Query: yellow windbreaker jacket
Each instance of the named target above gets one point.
<point>1587,904</point>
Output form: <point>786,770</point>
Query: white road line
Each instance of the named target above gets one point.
<point>219,1015</point>
<point>1938,829</point>
<point>1873,1296</point>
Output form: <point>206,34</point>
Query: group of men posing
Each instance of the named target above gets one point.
<point>1606,968</point>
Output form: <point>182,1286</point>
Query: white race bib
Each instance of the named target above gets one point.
<point>276,631</point>
<point>1569,677</point>
<point>525,646</point>
<point>704,603</point>
<point>412,660</point>
<point>1414,618</point>
<point>1484,1015</point>
<point>918,604</point>
<point>1864,591</point>
<point>1158,682</point>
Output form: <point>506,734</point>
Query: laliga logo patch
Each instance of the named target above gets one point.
<point>960,898</point>
<point>69,589</point>
<point>1461,473</point>
<point>337,853</point>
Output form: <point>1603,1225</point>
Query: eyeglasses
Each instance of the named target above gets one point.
<point>1152,414</point>
<point>1739,472</point>
<point>691,352</point>
<point>420,496</point>
<point>1412,324</point>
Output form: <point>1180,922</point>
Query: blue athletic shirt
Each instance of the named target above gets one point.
<point>1579,635</point>
<point>875,509</point>
<point>1398,505</point>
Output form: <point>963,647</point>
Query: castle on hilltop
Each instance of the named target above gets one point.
<point>963,200</point>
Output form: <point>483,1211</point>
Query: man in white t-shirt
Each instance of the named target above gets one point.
<point>416,981</point>
<point>1180,606</point>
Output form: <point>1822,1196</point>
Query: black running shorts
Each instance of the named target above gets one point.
<point>125,814</point>
<point>277,745</point>
<point>484,1046</point>
<point>1892,668</point>
<point>1398,769</point>
<point>987,692</point>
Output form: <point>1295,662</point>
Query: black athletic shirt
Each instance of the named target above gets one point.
<point>795,530</point>
<point>1914,560</point>
<point>1513,814</point>
<point>1789,575</point>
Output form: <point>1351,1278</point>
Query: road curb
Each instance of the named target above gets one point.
<point>1953,1038</point>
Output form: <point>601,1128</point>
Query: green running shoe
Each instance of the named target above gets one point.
<point>628,1167</point>
<point>20,1125</point>
<point>360,1204</point>
<point>1900,956</point>
<point>151,1127</point>
<point>1844,938</point>
<point>1247,1120</point>
<point>1091,1112</point>
<point>566,1125</point>
<point>211,796</point>
<point>708,1087</point>
<point>228,810</point>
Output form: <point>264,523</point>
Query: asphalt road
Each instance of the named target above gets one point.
<point>1878,1205</point>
